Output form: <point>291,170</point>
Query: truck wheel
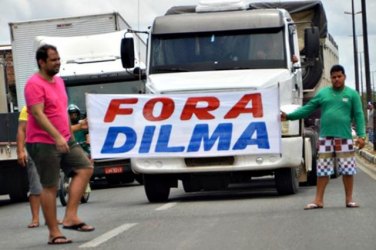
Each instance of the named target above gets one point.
<point>157,189</point>
<point>20,186</point>
<point>286,180</point>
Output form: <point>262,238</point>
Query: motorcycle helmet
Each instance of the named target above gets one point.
<point>74,109</point>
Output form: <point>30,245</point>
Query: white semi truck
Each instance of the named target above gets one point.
<point>214,47</point>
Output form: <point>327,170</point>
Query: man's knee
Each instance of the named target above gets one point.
<point>87,172</point>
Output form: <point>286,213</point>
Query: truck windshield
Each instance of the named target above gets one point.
<point>76,93</point>
<point>218,51</point>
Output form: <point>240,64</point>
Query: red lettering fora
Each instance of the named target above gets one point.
<point>114,108</point>
<point>168,107</point>
<point>241,106</point>
<point>202,113</point>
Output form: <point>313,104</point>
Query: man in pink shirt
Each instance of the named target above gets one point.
<point>51,145</point>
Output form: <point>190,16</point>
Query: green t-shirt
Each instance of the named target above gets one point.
<point>80,137</point>
<point>339,108</point>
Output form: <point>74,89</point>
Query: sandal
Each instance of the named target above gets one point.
<point>81,227</point>
<point>58,240</point>
<point>352,205</point>
<point>312,206</point>
<point>33,225</point>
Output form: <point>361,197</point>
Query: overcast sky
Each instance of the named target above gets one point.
<point>140,13</point>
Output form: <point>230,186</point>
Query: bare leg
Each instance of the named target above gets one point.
<point>348,183</point>
<point>34,201</point>
<point>76,190</point>
<point>48,202</point>
<point>322,182</point>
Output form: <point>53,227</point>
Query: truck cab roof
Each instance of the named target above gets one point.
<point>218,21</point>
<point>302,11</point>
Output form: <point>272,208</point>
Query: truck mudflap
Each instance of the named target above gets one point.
<point>310,156</point>
<point>13,181</point>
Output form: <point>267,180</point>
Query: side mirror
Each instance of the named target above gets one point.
<point>313,65</point>
<point>127,52</point>
<point>312,43</point>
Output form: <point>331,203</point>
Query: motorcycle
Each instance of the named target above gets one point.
<point>64,183</point>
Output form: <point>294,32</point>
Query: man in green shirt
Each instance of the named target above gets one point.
<point>340,106</point>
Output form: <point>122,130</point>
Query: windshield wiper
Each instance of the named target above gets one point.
<point>173,69</point>
<point>231,68</point>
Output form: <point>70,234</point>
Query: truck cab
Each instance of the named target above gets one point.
<point>222,48</point>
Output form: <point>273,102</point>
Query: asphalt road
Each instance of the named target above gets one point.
<point>246,217</point>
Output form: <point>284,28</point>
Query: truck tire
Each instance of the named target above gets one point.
<point>19,186</point>
<point>286,180</point>
<point>157,188</point>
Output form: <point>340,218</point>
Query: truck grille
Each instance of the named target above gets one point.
<point>209,161</point>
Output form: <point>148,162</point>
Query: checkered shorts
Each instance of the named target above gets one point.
<point>335,152</point>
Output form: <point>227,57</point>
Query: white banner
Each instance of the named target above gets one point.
<point>184,125</point>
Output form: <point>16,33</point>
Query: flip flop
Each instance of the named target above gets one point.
<point>312,206</point>
<point>81,227</point>
<point>33,225</point>
<point>54,240</point>
<point>352,205</point>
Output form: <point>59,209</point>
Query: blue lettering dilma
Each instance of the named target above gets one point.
<point>254,134</point>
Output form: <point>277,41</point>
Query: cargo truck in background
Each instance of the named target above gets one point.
<point>213,47</point>
<point>92,69</point>
<point>23,35</point>
<point>13,178</point>
<point>92,64</point>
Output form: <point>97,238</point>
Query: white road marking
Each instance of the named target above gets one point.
<point>106,236</point>
<point>367,171</point>
<point>166,206</point>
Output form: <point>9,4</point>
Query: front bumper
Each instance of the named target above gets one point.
<point>291,156</point>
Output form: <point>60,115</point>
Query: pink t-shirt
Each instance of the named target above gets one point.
<point>55,100</point>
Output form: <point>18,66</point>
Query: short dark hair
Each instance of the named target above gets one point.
<point>337,68</point>
<point>42,52</point>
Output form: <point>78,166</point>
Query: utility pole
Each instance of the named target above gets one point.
<point>373,85</point>
<point>366,51</point>
<point>361,76</point>
<point>366,61</point>
<point>355,43</point>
